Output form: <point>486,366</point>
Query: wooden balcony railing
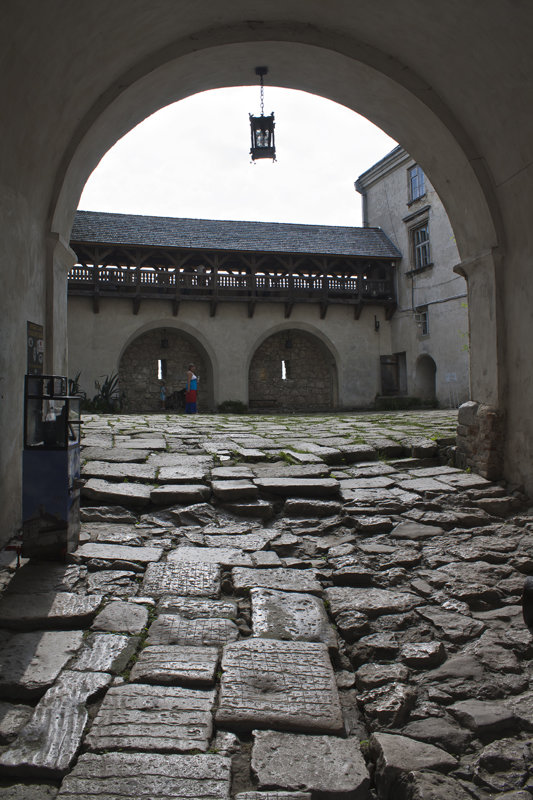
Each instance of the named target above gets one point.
<point>252,288</point>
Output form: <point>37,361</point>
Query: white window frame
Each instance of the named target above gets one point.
<point>420,245</point>
<point>417,182</point>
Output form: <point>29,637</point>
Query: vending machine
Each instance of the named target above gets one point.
<point>50,469</point>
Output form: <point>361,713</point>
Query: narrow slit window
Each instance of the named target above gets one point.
<point>285,370</point>
<point>161,369</point>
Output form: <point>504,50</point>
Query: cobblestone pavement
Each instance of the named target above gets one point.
<point>273,608</point>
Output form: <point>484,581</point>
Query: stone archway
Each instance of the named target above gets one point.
<point>292,370</point>
<point>425,378</point>
<point>162,354</point>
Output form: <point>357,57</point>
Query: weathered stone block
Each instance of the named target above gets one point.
<point>369,601</point>
<point>228,556</point>
<point>129,494</point>
<point>48,744</point>
<point>271,684</point>
<point>155,718</point>
<point>117,552</point>
<point>171,629</point>
<point>182,578</point>
<point>47,610</point>
<point>105,652</point>
<point>290,615</point>
<point>174,664</point>
<point>397,755</point>
<point>289,580</point>
<point>174,777</point>
<point>319,764</point>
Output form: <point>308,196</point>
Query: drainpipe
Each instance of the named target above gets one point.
<point>364,202</point>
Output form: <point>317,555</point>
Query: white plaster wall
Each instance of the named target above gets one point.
<point>230,338</point>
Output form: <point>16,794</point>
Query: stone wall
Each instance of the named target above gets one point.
<point>480,438</point>
<point>138,370</point>
<point>308,384</point>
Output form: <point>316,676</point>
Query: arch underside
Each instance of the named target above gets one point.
<point>292,371</point>
<point>318,61</point>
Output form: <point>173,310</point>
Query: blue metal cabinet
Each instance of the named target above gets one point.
<point>51,469</point>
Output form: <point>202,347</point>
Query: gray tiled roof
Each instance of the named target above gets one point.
<point>210,234</point>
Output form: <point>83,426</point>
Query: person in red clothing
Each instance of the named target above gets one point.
<point>191,390</point>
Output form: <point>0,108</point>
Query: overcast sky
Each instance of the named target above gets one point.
<point>192,159</point>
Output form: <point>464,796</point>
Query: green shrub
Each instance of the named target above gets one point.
<point>384,403</point>
<point>232,407</point>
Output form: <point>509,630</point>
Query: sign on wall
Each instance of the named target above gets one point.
<point>35,347</point>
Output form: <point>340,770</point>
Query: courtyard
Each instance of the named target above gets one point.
<point>273,608</point>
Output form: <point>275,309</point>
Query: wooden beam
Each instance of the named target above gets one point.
<point>390,309</point>
<point>358,307</point>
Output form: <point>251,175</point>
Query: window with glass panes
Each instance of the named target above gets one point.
<point>420,245</point>
<point>416,183</point>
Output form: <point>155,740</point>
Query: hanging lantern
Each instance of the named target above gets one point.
<point>262,128</point>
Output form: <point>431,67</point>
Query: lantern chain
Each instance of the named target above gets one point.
<point>262,97</point>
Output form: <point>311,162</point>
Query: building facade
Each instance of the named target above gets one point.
<point>71,88</point>
<point>429,329</point>
<point>279,317</point>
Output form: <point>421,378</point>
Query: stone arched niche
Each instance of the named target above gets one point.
<point>426,371</point>
<point>292,371</point>
<point>161,352</point>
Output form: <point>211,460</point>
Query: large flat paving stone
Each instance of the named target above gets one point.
<point>114,582</point>
<point>118,552</point>
<point>319,764</point>
<point>289,580</point>
<point>173,664</point>
<point>396,756</point>
<point>197,608</point>
<point>290,615</point>
<point>46,577</point>
<point>31,662</point>
<point>140,443</point>
<point>172,629</point>
<point>105,652</point>
<point>228,556</point>
<point>279,469</point>
<point>249,542</point>
<point>276,684</point>
<point>119,471</point>
<point>48,744</point>
<point>48,610</point>
<point>145,776</point>
<point>182,578</point>
<point>121,617</point>
<point>154,718</point>
<point>112,533</point>
<point>121,454</point>
<point>299,487</point>
<point>233,490</point>
<point>184,493</point>
<point>273,795</point>
<point>451,625</point>
<point>128,494</point>
<point>184,473</point>
<point>370,601</point>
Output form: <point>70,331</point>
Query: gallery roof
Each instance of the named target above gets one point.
<point>209,234</point>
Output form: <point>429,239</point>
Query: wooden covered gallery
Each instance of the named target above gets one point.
<point>145,258</point>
